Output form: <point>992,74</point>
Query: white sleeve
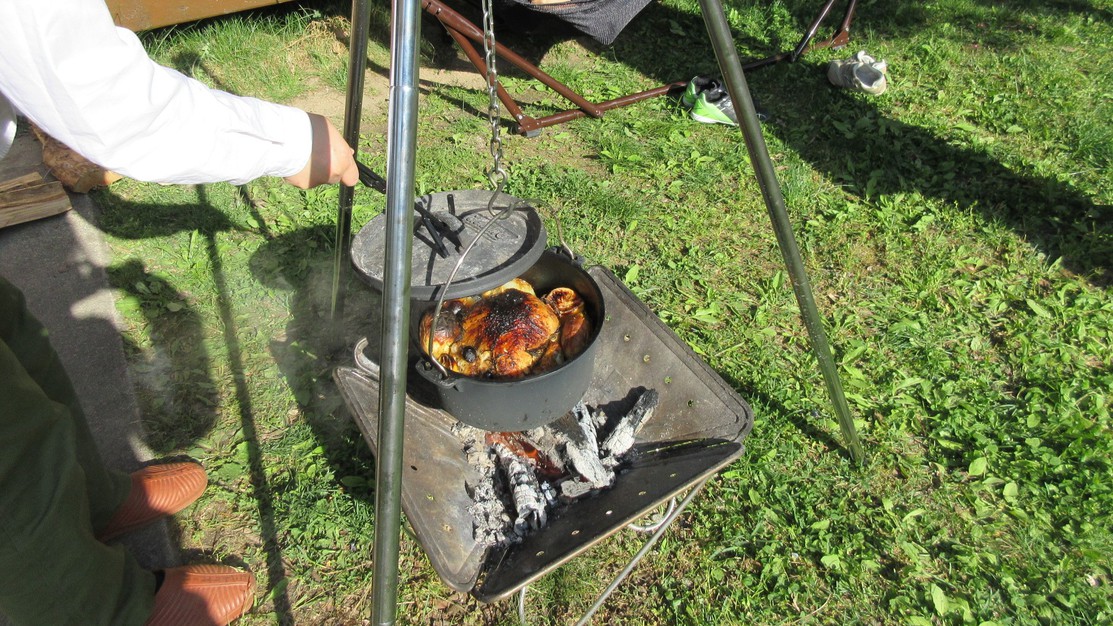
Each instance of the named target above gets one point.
<point>67,67</point>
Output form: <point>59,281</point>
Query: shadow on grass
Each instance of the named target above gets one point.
<point>174,389</point>
<point>832,442</point>
<point>186,373</point>
<point>314,345</point>
<point>847,138</point>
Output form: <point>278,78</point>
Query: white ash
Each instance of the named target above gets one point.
<point>626,430</point>
<point>492,524</point>
<point>514,498</point>
<point>529,500</point>
<point>552,498</point>
<point>581,451</point>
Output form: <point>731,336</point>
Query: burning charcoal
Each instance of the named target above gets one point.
<point>537,470</point>
<point>586,419</point>
<point>548,441</point>
<point>554,434</point>
<point>519,444</point>
<point>525,489</point>
<point>622,437</point>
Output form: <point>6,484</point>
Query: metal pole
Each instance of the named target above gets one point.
<point>401,148</point>
<point>735,80</point>
<point>353,108</point>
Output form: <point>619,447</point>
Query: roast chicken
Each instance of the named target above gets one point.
<point>507,332</point>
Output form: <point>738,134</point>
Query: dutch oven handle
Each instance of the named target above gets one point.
<point>371,179</point>
<point>448,283</point>
<point>441,378</point>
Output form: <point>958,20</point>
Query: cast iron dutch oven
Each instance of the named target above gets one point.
<point>513,246</point>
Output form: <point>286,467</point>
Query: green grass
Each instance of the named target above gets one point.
<point>957,231</point>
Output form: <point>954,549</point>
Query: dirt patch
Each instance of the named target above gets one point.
<point>330,102</point>
<point>431,77</point>
<point>324,101</point>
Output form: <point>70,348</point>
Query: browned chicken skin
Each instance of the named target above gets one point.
<point>448,329</point>
<point>508,332</point>
<point>516,283</point>
<point>564,300</point>
<point>575,328</point>
<point>510,326</point>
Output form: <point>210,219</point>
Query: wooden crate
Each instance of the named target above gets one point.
<point>139,15</point>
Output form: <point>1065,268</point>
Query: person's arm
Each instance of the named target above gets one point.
<point>67,67</point>
<point>331,159</point>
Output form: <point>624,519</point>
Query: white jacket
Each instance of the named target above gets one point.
<point>66,66</point>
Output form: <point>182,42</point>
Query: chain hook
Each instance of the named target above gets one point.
<point>496,175</point>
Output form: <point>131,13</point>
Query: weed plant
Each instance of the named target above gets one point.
<point>956,230</point>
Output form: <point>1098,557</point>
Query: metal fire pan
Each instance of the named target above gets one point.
<point>697,429</point>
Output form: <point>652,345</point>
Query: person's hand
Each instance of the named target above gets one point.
<point>330,161</point>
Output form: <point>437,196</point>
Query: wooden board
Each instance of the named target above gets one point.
<point>21,181</point>
<point>21,203</point>
<point>146,14</point>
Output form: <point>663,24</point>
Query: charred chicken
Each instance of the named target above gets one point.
<point>507,332</point>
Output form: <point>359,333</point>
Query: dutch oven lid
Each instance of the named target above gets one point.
<point>507,249</point>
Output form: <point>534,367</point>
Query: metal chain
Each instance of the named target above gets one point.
<point>496,175</point>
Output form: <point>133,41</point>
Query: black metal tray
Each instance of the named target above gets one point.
<point>697,429</point>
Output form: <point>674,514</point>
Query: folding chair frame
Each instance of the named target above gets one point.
<point>466,34</point>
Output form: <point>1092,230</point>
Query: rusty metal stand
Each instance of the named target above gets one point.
<point>464,33</point>
<point>840,38</point>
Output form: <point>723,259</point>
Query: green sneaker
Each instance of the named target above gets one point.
<point>695,87</point>
<point>714,106</point>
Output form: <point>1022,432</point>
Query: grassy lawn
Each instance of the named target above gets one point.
<point>957,230</point>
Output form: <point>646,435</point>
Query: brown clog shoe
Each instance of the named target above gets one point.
<point>156,491</point>
<point>202,595</point>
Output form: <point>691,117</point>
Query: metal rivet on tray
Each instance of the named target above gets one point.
<point>641,493</point>
<point>645,358</point>
<point>609,512</point>
<point>540,553</point>
<point>575,532</point>
<point>626,337</point>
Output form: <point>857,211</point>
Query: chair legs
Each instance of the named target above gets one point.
<point>466,34</point>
